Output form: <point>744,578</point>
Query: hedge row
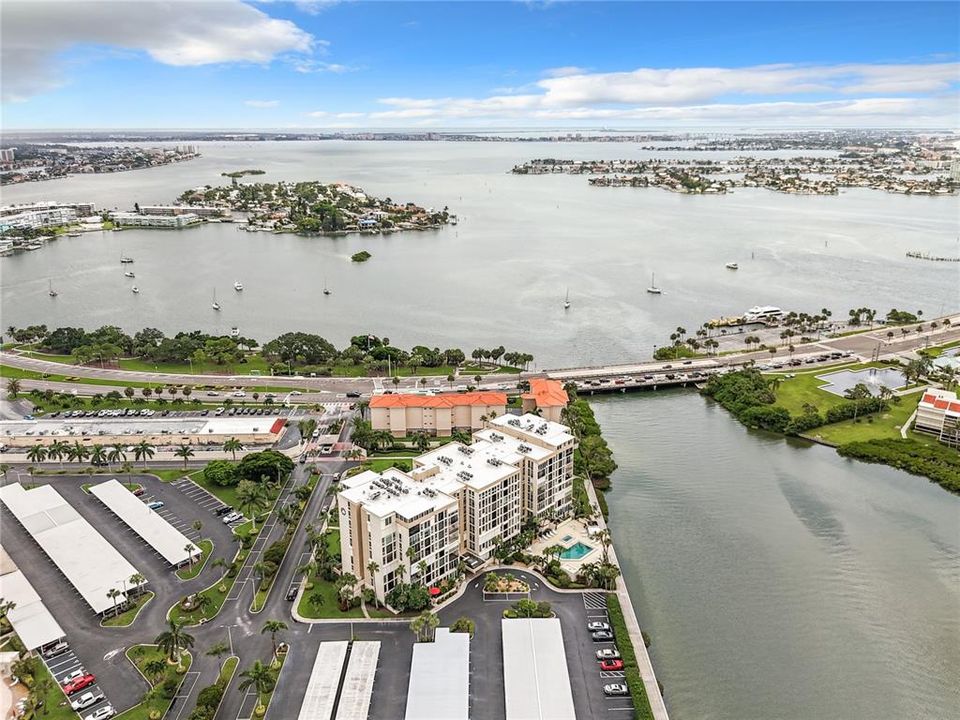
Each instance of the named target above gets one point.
<point>641,703</point>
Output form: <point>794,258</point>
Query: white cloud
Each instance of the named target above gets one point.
<point>34,32</point>
<point>306,65</point>
<point>564,71</point>
<point>711,95</point>
<point>261,103</point>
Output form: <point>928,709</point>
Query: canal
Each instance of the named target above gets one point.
<point>776,579</point>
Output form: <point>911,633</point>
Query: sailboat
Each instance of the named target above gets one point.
<point>732,266</point>
<point>326,290</point>
<point>129,274</point>
<point>51,292</point>
<point>566,302</point>
<point>653,289</point>
<point>216,305</point>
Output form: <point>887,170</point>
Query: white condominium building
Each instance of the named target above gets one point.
<point>458,500</point>
<point>938,413</point>
<point>155,221</point>
<point>546,465</point>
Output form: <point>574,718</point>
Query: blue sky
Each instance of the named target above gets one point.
<point>227,63</point>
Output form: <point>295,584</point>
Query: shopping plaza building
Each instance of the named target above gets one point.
<point>457,503</point>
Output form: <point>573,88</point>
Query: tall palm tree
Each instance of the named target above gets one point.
<point>155,668</point>
<point>260,678</point>
<point>117,453</point>
<point>113,594</point>
<point>184,451</point>
<point>373,567</point>
<point>137,581</point>
<point>98,455</point>
<point>424,625</point>
<point>173,641</point>
<point>274,627</point>
<point>251,497</point>
<point>37,453</point>
<point>143,451</point>
<point>13,388</point>
<point>57,451</point>
<point>198,526</point>
<point>231,446</point>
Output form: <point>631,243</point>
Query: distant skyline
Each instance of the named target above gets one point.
<point>441,65</point>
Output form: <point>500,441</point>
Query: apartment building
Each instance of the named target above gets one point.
<point>397,521</point>
<point>39,218</point>
<point>405,413</point>
<point>546,398</point>
<point>201,210</point>
<point>459,501</point>
<point>938,413</point>
<point>545,449</point>
<point>174,222</point>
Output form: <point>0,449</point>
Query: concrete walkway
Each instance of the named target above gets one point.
<point>650,684</point>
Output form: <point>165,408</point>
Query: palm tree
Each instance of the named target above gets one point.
<point>260,678</point>
<point>231,446</point>
<point>184,451</point>
<point>424,625</point>
<point>13,388</point>
<point>137,580</point>
<point>373,567</point>
<point>98,456</point>
<point>857,393</point>
<point>421,441</point>
<point>117,453</point>
<point>4,469</point>
<point>251,497</point>
<point>78,452</point>
<point>188,549</point>
<point>143,451</point>
<point>57,451</point>
<point>155,668</point>
<point>37,453</point>
<point>198,526</point>
<point>274,627</point>
<point>173,641</point>
<point>113,594</point>
<point>218,651</point>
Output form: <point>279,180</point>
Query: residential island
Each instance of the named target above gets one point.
<point>35,162</point>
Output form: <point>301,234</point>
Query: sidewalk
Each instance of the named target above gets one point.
<point>633,626</point>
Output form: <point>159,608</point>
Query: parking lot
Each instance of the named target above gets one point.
<point>67,666</point>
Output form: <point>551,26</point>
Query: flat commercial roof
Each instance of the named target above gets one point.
<point>30,618</point>
<point>133,426</point>
<point>91,564</point>
<point>440,678</point>
<point>358,681</point>
<point>324,680</point>
<point>155,531</point>
<point>535,676</point>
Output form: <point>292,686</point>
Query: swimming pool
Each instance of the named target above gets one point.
<point>576,551</point>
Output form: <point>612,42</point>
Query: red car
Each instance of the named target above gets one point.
<point>139,491</point>
<point>78,684</point>
<point>611,664</point>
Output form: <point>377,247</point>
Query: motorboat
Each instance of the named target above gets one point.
<point>234,331</point>
<point>238,286</point>
<point>129,274</point>
<point>732,266</point>
<point>135,290</point>
<point>326,290</point>
<point>125,259</point>
<point>653,289</point>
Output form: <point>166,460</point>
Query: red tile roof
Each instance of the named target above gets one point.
<point>547,393</point>
<point>444,400</point>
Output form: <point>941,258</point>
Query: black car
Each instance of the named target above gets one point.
<point>223,510</point>
<point>98,463</point>
<point>54,414</point>
<point>292,591</point>
<point>353,394</point>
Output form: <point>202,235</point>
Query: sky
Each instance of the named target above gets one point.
<point>455,65</point>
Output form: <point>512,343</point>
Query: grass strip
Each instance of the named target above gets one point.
<point>127,617</point>
<point>641,703</point>
<point>189,572</point>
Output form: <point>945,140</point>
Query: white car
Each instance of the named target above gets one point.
<point>595,626</point>
<point>296,392</point>
<point>102,713</point>
<point>608,654</point>
<point>616,689</point>
<point>79,672</point>
<point>86,700</point>
<point>239,393</point>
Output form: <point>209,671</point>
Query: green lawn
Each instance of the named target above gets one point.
<point>253,363</point>
<point>189,572</point>
<point>795,392</point>
<point>155,701</point>
<point>167,474</point>
<point>227,494</point>
<point>882,425</point>
<point>55,703</point>
<point>128,616</point>
<point>937,350</point>
<point>381,464</point>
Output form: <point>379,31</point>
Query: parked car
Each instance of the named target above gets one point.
<point>608,654</point>
<point>102,713</point>
<point>55,649</point>
<point>79,672</point>
<point>225,510</point>
<point>232,517</point>
<point>155,505</point>
<point>353,394</point>
<point>79,683</point>
<point>611,665</point>
<point>239,393</point>
<point>292,591</point>
<point>86,700</point>
<point>595,626</point>
<point>616,689</point>
<point>602,636</point>
<point>139,491</point>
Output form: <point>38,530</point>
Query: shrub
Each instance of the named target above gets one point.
<point>221,472</point>
<point>937,462</point>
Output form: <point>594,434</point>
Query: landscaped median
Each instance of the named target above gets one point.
<point>641,703</point>
<point>163,677</point>
<point>188,572</point>
<point>130,614</point>
<point>210,698</point>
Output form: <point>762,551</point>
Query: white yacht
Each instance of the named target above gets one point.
<point>732,266</point>
<point>135,290</point>
<point>234,331</point>
<point>129,274</point>
<point>653,289</point>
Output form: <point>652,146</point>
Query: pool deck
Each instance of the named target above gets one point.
<point>577,533</point>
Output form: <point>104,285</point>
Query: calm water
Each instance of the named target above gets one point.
<point>778,580</point>
<point>501,274</point>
